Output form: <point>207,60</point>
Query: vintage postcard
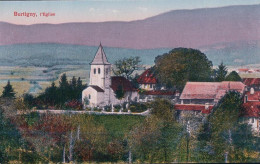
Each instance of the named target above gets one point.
<point>130,81</point>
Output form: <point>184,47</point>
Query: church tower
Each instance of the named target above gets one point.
<point>100,72</point>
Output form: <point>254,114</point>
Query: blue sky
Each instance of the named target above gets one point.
<point>103,10</point>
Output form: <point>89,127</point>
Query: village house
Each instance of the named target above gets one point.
<point>102,86</point>
<point>151,89</point>
<point>202,96</point>
<point>252,83</point>
<point>251,109</point>
<point>198,99</point>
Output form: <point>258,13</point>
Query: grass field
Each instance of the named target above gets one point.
<point>118,125</point>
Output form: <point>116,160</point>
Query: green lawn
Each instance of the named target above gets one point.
<point>118,125</point>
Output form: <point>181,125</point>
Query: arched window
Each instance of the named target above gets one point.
<point>98,70</point>
<point>106,71</point>
<point>95,70</point>
<point>89,96</point>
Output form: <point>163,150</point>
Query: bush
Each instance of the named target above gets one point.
<point>138,107</point>
<point>107,108</point>
<point>74,104</point>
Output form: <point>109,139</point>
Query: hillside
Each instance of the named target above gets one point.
<point>180,28</point>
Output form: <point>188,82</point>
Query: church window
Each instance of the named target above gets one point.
<point>106,71</point>
<point>89,96</point>
<point>95,70</point>
<point>98,70</point>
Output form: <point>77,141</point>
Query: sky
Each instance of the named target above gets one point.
<point>102,10</point>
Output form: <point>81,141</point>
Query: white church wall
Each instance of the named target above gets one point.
<point>91,95</point>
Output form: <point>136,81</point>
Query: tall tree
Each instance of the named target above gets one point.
<point>8,91</point>
<point>220,137</point>
<point>126,66</point>
<point>221,72</point>
<point>233,76</point>
<point>181,65</point>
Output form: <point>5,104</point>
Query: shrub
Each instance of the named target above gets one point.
<point>138,107</point>
<point>74,104</point>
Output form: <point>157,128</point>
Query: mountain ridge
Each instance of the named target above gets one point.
<point>191,28</point>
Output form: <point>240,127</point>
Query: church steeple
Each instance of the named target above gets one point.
<point>100,57</point>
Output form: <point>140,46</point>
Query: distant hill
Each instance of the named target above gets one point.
<point>180,28</point>
<point>53,54</point>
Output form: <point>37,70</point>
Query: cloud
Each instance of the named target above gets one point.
<point>143,9</point>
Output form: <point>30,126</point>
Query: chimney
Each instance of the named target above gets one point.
<point>206,106</point>
<point>252,91</point>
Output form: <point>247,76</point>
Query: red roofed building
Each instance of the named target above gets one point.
<point>202,96</point>
<point>150,89</point>
<point>251,109</point>
<point>147,80</point>
<point>243,70</point>
<point>208,92</point>
<point>252,83</point>
<point>204,108</point>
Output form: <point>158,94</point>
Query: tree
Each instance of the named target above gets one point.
<point>233,76</point>
<point>221,72</point>
<point>157,137</point>
<point>126,66</point>
<point>181,65</point>
<point>120,93</point>
<point>221,135</point>
<point>8,91</point>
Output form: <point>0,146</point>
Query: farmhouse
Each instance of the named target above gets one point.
<point>102,87</point>
<point>202,96</point>
<point>251,112</point>
<point>151,89</point>
<point>252,83</point>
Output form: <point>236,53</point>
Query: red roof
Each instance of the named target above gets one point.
<point>251,109</point>
<point>210,90</point>
<point>194,107</point>
<point>147,77</point>
<point>116,81</point>
<point>253,97</point>
<point>159,92</point>
<point>243,69</point>
<point>251,81</point>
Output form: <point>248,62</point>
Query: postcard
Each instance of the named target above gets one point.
<point>130,81</point>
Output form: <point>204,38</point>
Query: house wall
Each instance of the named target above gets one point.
<point>93,96</point>
<point>197,101</point>
<point>129,96</point>
<point>148,87</point>
<point>254,122</point>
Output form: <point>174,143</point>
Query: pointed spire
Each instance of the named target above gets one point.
<point>100,57</point>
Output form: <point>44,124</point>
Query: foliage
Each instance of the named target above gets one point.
<point>220,137</point>
<point>120,93</point>
<point>65,92</point>
<point>138,107</point>
<point>221,72</point>
<point>155,140</point>
<point>29,100</point>
<point>8,91</point>
<point>125,67</point>
<point>181,65</point>
<point>233,76</point>
<point>73,104</point>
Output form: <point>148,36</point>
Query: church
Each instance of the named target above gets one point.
<point>102,86</point>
